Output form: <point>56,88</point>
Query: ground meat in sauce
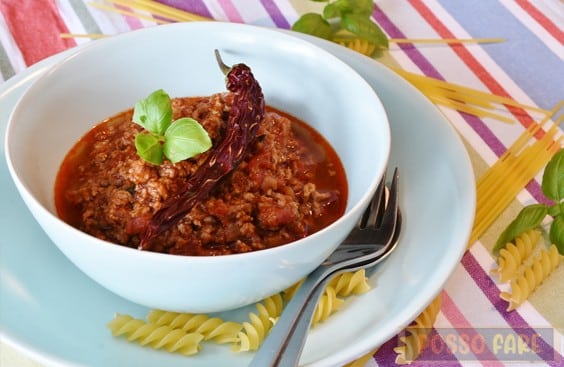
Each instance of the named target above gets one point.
<point>285,189</point>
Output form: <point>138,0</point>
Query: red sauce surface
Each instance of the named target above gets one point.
<point>290,185</point>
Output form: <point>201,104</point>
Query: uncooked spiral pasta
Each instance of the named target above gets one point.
<point>342,285</point>
<point>532,277</point>
<point>183,332</point>
<point>155,336</point>
<point>512,256</point>
<point>211,328</point>
<point>273,305</point>
<point>416,335</point>
<point>349,283</point>
<point>259,324</point>
<point>359,45</point>
<point>327,305</point>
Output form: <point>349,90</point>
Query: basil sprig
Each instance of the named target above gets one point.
<point>341,20</point>
<point>176,140</point>
<point>531,216</point>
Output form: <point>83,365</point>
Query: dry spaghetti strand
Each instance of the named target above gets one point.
<point>463,98</point>
<point>501,183</point>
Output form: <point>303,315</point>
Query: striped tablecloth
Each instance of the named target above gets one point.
<point>527,67</point>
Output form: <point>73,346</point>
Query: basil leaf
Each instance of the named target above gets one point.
<point>364,7</point>
<point>556,209</point>
<point>553,178</point>
<point>365,28</point>
<point>315,25</point>
<point>340,8</point>
<point>557,233</point>
<point>184,139</point>
<point>149,148</point>
<point>154,113</point>
<point>331,11</point>
<point>528,218</point>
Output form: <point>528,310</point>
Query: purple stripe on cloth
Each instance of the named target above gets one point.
<point>513,318</point>
<point>194,6</point>
<point>428,69</point>
<point>385,356</point>
<point>275,13</point>
<point>535,190</point>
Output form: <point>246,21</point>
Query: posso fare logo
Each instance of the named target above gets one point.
<point>486,344</point>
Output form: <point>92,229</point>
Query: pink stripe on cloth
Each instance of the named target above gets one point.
<point>459,322</point>
<point>132,22</point>
<point>542,20</point>
<point>36,26</point>
<point>230,11</point>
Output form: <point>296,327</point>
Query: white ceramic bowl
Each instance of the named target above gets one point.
<point>112,74</point>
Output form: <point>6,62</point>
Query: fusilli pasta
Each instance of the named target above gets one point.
<point>532,276</point>
<point>359,45</point>
<point>327,305</point>
<point>416,334</point>
<point>259,324</point>
<point>341,285</point>
<point>514,254</point>
<point>349,283</point>
<point>156,336</point>
<point>211,328</point>
<point>183,332</point>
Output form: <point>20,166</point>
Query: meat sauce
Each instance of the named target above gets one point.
<point>291,184</point>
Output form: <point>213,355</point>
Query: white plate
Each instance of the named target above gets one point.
<point>54,313</point>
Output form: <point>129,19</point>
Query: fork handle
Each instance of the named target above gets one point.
<point>283,345</point>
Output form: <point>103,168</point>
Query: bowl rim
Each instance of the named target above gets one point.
<point>355,209</point>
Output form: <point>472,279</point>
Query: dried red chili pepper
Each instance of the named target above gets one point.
<point>247,112</point>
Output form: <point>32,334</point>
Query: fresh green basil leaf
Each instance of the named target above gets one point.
<point>149,148</point>
<point>315,25</point>
<point>339,8</point>
<point>331,10</point>
<point>553,178</point>
<point>528,218</point>
<point>365,28</point>
<point>154,113</point>
<point>185,138</point>
<point>556,233</point>
<point>363,7</point>
<point>556,209</point>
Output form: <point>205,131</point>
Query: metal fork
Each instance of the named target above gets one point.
<point>377,230</point>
